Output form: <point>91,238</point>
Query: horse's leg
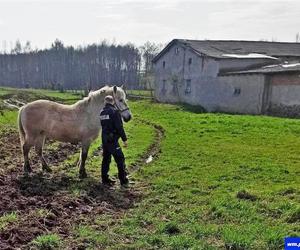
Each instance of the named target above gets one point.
<point>26,149</point>
<point>39,150</point>
<point>83,156</point>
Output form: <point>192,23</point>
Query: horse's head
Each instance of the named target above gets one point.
<point>119,96</point>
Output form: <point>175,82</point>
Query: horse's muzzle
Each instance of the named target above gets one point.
<point>127,118</point>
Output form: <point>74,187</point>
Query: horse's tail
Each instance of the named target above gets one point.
<point>21,129</point>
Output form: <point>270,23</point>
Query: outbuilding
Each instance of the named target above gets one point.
<point>230,76</point>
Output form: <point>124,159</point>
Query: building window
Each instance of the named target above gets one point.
<point>237,91</point>
<point>188,88</point>
<point>164,64</point>
<point>177,51</point>
<point>190,61</point>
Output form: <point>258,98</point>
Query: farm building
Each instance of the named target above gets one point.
<point>250,77</point>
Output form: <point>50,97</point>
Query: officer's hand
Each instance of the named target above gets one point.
<point>125,144</point>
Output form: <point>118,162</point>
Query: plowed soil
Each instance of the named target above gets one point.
<point>43,202</point>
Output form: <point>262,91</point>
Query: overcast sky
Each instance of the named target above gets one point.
<point>85,22</point>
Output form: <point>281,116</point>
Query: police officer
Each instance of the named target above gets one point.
<point>112,130</point>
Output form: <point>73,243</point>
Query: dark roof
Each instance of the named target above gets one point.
<point>279,68</point>
<point>217,48</point>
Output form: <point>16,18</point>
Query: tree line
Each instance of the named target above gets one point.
<point>66,67</point>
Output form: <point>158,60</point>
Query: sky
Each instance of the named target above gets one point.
<point>137,21</point>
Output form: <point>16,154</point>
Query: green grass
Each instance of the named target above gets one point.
<point>6,219</point>
<point>221,181</point>
<point>199,188</point>
<point>4,91</point>
<point>91,237</point>
<point>68,95</point>
<point>8,119</point>
<point>47,242</point>
<point>60,95</point>
<point>139,92</point>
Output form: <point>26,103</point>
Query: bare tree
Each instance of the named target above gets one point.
<point>27,48</point>
<point>18,48</point>
<point>65,67</point>
<point>149,51</point>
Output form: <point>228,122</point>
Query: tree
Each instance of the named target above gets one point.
<point>65,67</point>
<point>57,44</point>
<point>149,51</point>
<point>27,47</point>
<point>18,48</point>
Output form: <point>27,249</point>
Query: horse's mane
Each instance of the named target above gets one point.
<point>94,95</point>
<point>99,92</point>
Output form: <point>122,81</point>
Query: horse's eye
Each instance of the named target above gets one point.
<point>121,100</point>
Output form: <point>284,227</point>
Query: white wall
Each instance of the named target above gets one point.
<point>209,90</point>
<point>179,70</point>
<point>173,70</point>
<point>249,101</point>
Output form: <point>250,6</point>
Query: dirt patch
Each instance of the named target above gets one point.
<point>11,158</point>
<point>17,98</point>
<point>153,150</point>
<point>27,96</point>
<point>244,195</point>
<point>44,202</point>
<point>25,194</point>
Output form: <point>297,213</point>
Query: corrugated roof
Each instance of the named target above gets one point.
<point>279,68</point>
<point>217,48</point>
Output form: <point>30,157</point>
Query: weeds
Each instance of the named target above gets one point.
<point>47,242</point>
<point>8,218</point>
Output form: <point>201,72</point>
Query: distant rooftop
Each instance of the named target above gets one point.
<point>233,49</point>
<point>279,68</point>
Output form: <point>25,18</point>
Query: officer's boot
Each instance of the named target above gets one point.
<point>105,168</point>
<point>105,178</point>
<point>107,181</point>
<point>122,174</point>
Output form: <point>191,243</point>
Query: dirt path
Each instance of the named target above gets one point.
<point>44,202</point>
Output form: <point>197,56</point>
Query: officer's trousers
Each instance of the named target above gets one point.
<point>113,149</point>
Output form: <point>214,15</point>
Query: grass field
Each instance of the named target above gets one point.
<point>146,93</point>
<point>220,182</point>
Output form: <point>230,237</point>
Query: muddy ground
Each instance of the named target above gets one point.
<point>18,98</point>
<point>43,201</point>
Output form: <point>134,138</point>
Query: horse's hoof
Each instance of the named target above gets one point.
<point>47,169</point>
<point>82,175</point>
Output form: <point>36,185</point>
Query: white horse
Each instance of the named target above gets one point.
<point>67,123</point>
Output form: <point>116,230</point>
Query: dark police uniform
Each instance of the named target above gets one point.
<point>112,130</point>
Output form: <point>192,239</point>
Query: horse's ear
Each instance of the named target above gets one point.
<point>122,86</point>
<point>115,89</point>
